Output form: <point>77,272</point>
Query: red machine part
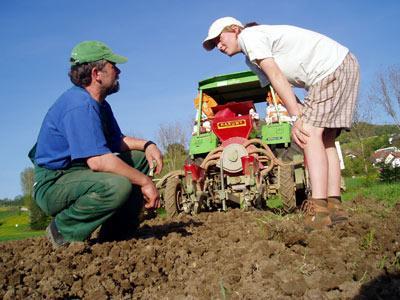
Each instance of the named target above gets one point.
<point>250,164</point>
<point>232,120</point>
<point>234,140</point>
<point>195,170</point>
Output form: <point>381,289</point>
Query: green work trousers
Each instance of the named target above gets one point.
<point>81,200</point>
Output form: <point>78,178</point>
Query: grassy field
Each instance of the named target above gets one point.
<point>14,224</point>
<point>371,188</point>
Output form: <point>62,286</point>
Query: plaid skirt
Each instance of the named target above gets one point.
<point>331,102</point>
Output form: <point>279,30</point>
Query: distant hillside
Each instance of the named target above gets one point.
<point>368,130</point>
<point>360,143</point>
<point>18,201</point>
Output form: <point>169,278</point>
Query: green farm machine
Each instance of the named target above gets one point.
<point>235,158</point>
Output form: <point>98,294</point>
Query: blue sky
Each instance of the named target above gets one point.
<point>162,40</point>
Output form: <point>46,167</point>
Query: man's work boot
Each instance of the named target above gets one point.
<point>55,237</point>
<point>316,214</point>
<point>336,211</point>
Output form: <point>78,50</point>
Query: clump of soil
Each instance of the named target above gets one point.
<point>232,255</point>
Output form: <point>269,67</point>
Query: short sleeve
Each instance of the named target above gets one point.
<point>84,133</point>
<point>255,44</point>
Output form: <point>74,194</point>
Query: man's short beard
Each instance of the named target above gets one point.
<point>113,89</point>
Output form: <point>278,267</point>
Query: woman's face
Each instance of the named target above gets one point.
<point>227,43</point>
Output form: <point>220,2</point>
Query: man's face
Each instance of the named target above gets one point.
<point>109,78</point>
<point>227,43</point>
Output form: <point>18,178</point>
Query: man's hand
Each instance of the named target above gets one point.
<point>299,134</point>
<point>113,164</point>
<point>153,153</point>
<point>151,195</point>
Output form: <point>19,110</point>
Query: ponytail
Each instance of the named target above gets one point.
<point>251,24</point>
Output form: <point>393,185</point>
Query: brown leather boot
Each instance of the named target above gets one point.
<point>336,211</point>
<point>316,214</point>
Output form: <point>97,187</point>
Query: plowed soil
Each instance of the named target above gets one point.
<point>232,255</point>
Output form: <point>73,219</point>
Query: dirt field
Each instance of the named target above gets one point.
<point>233,255</point>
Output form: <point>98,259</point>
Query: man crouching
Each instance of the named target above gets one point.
<point>87,173</point>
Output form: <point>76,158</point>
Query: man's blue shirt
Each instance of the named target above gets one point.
<point>76,127</point>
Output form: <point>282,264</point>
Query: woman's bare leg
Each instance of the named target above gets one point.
<point>329,137</point>
<point>317,161</point>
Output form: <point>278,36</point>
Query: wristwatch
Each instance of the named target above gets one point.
<point>148,143</point>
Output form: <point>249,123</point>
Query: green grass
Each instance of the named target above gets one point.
<point>275,202</point>
<point>373,189</point>
<point>14,225</point>
<point>368,239</point>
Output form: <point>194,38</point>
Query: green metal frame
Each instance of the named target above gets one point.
<point>238,86</point>
<point>276,133</point>
<point>202,143</point>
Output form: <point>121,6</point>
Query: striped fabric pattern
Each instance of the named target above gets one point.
<point>331,102</point>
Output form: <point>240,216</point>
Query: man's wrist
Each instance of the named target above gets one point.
<point>147,144</point>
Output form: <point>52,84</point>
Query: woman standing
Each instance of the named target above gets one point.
<point>287,56</point>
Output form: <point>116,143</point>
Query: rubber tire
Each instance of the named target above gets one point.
<point>171,194</point>
<point>287,188</point>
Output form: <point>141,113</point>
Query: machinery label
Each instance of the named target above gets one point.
<point>231,124</point>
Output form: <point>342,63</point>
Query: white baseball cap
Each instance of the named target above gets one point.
<point>216,28</point>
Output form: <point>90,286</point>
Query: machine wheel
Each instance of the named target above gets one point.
<point>287,188</point>
<point>173,197</point>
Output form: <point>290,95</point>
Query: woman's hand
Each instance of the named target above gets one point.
<point>299,134</point>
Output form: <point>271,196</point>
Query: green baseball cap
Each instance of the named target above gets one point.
<point>89,51</point>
